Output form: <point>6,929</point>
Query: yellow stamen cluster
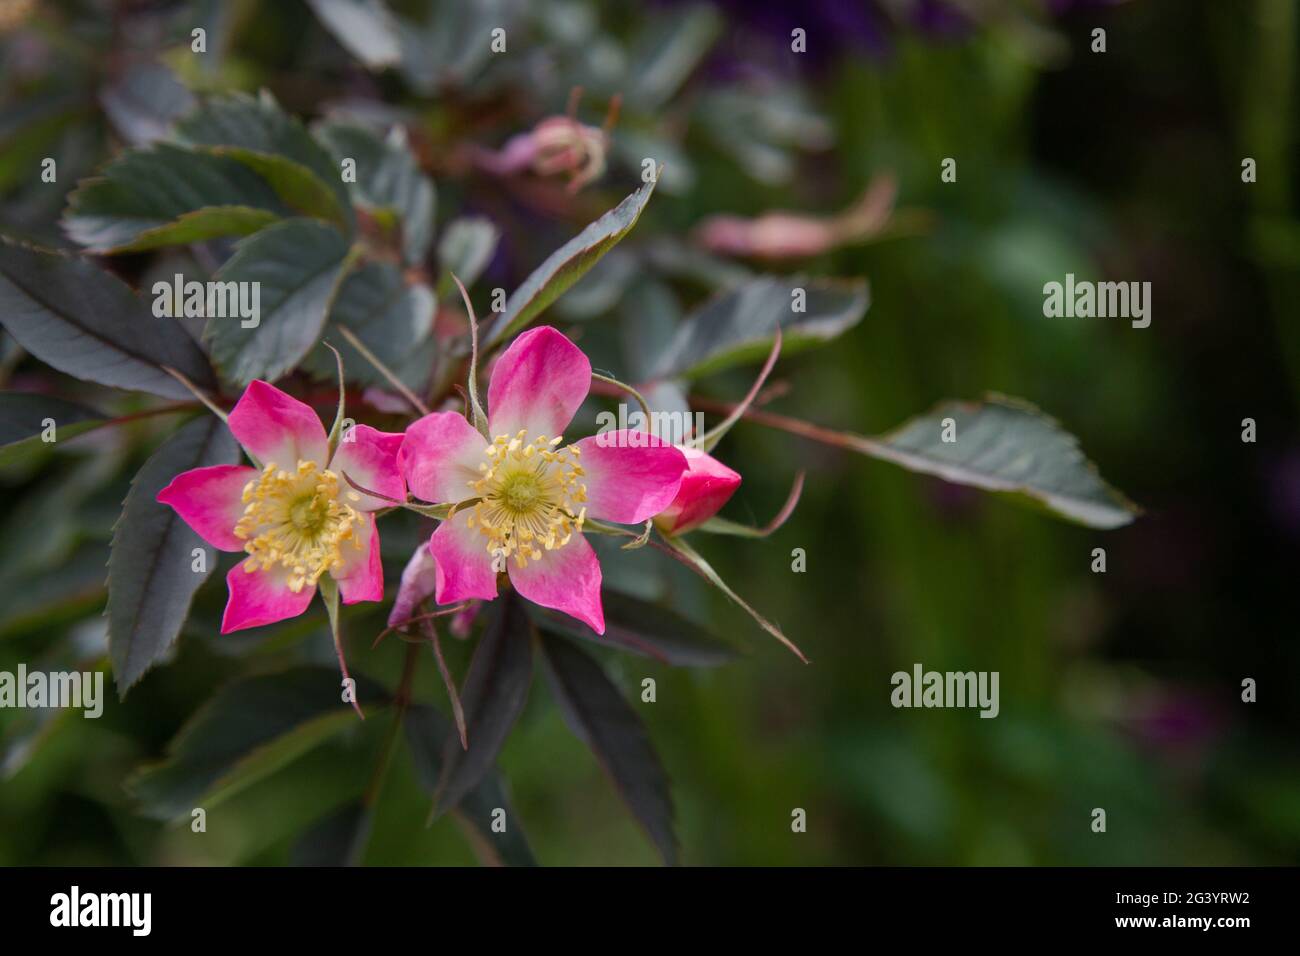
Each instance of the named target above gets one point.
<point>530,498</point>
<point>298,520</point>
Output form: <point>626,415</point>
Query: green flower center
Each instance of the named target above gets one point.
<point>530,498</point>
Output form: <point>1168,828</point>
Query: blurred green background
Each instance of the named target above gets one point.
<point>1118,690</point>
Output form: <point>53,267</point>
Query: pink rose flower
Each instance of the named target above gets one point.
<point>296,516</point>
<point>707,485</point>
<point>557,145</point>
<point>526,494</point>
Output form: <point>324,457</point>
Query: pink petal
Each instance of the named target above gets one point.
<point>419,581</point>
<point>537,384</point>
<point>261,597</point>
<point>630,475</point>
<point>566,579</point>
<point>276,429</point>
<point>707,485</point>
<point>464,567</point>
<point>440,457</point>
<point>362,576</point>
<point>369,458</point>
<point>209,500</point>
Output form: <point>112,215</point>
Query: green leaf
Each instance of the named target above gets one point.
<point>294,183</point>
<point>38,603</point>
<point>737,326</point>
<point>761,130</point>
<point>249,729</point>
<point>392,319</point>
<point>79,319</point>
<point>365,28</point>
<point>568,264</point>
<point>678,259</point>
<point>632,146</point>
<point>30,732</point>
<point>426,732</point>
<point>388,178</point>
<point>203,224</point>
<point>33,126</point>
<point>338,839</point>
<point>256,132</point>
<point>449,41</point>
<point>666,54</point>
<point>23,416</point>
<point>299,264</point>
<point>646,629</point>
<point>602,288</point>
<point>648,318</point>
<point>151,580</point>
<point>1006,445</point>
<point>165,195</point>
<point>493,697</point>
<point>598,715</point>
<point>697,561</point>
<point>465,250</point>
<point>144,101</point>
<point>22,741</point>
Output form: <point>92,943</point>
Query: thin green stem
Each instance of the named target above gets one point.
<point>608,380</point>
<point>337,428</point>
<point>398,385</point>
<point>431,630</point>
<point>696,560</point>
<point>708,441</point>
<point>196,392</point>
<point>480,418</point>
<point>402,701</point>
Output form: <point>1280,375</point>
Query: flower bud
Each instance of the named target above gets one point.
<point>419,578</point>
<point>558,145</point>
<point>707,485</point>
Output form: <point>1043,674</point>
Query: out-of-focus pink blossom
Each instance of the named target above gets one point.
<point>556,146</point>
<point>790,235</point>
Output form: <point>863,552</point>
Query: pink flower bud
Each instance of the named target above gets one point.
<point>707,485</point>
<point>558,145</point>
<point>419,578</point>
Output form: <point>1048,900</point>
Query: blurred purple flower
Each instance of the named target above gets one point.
<point>833,28</point>
<point>1066,6</point>
<point>1284,490</point>
<point>1176,721</point>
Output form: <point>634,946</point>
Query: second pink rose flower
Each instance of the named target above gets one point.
<point>525,495</point>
